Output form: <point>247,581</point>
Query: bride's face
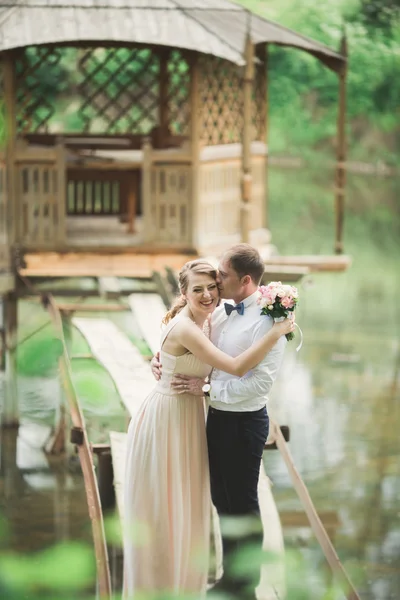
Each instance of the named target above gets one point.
<point>202,294</point>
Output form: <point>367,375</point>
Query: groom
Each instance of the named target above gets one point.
<point>237,421</point>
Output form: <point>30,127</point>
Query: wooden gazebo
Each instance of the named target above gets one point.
<point>139,124</point>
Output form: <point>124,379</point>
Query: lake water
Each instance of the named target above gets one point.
<point>339,394</point>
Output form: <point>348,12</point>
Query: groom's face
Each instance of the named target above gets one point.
<point>229,282</point>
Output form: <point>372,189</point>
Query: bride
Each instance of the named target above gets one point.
<point>167,501</point>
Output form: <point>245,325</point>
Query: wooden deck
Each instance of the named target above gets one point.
<point>142,262</point>
<point>101,264</point>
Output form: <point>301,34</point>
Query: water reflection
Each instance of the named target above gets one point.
<point>42,501</point>
<point>340,396</point>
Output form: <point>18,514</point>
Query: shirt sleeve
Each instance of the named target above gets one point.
<point>257,382</point>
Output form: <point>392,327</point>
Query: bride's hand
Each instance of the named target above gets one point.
<point>285,326</point>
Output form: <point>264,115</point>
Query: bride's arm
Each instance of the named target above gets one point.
<point>191,338</point>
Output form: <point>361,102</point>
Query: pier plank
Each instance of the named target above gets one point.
<point>129,370</point>
<point>149,310</point>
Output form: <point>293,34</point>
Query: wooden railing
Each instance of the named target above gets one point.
<point>95,193</point>
<point>40,191</point>
<point>314,520</point>
<point>80,439</point>
<point>167,197</point>
<point>220,198</point>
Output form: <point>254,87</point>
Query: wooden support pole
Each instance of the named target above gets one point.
<point>3,346</point>
<point>10,417</point>
<point>105,478</point>
<point>246,140</point>
<point>163,99</point>
<point>195,132</point>
<point>9,85</point>
<point>150,220</point>
<point>61,196</point>
<point>132,199</point>
<point>341,154</point>
<point>266,132</point>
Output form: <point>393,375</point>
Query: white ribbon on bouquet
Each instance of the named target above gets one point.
<point>301,333</point>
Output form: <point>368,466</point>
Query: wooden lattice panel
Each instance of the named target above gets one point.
<point>221,101</point>
<point>39,79</point>
<point>179,93</point>
<point>101,90</point>
<point>121,89</point>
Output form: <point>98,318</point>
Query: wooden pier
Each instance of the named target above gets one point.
<point>133,379</point>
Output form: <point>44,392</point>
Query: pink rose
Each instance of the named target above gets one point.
<point>287,302</point>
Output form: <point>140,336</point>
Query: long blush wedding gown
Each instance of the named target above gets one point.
<point>167,491</point>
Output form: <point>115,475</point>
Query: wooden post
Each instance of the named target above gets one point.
<point>132,195</point>
<point>105,477</point>
<point>150,229</point>
<point>57,442</point>
<point>163,98</point>
<point>246,140</point>
<point>61,199</point>
<point>10,103</point>
<point>195,131</point>
<point>265,57</point>
<point>341,153</point>
<point>10,417</point>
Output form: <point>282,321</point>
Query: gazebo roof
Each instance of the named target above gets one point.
<point>216,27</point>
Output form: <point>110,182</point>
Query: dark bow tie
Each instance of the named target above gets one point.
<point>229,308</point>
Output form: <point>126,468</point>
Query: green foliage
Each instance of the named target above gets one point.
<point>382,14</point>
<point>61,569</point>
<point>303,93</point>
<point>39,355</point>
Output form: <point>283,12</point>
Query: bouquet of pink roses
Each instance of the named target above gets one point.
<point>278,300</point>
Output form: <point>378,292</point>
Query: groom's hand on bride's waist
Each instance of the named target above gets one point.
<point>183,384</point>
<point>156,366</point>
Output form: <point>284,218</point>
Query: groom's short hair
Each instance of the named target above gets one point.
<point>246,260</point>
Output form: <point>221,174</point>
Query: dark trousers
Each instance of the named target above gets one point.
<point>235,446</point>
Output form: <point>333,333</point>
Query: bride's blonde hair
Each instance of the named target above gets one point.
<point>193,266</point>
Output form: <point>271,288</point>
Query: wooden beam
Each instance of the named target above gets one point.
<point>109,287</point>
<point>329,519</point>
<point>162,288</point>
<point>82,307</point>
<point>284,273</point>
<point>195,134</point>
<point>313,262</point>
<point>341,153</point>
<point>248,83</point>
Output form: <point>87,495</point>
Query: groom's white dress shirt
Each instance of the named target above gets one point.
<point>233,335</point>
